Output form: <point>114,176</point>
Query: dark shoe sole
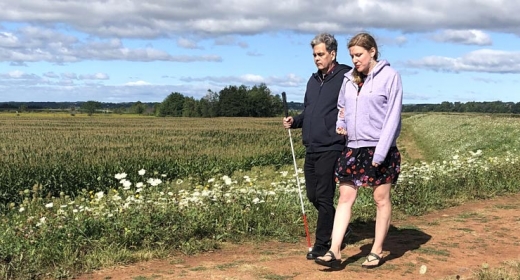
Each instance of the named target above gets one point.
<point>332,263</point>
<point>372,266</point>
<point>378,258</point>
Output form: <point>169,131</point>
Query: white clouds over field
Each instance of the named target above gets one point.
<point>79,50</point>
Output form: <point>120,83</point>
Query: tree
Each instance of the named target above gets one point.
<point>22,108</point>
<point>172,105</point>
<point>190,107</point>
<point>138,108</point>
<point>233,101</point>
<point>90,107</point>
<point>210,105</point>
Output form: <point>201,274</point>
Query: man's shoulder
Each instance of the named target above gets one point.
<point>340,70</point>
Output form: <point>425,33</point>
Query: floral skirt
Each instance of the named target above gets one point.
<point>355,166</point>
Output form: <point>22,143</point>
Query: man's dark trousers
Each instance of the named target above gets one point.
<point>320,185</point>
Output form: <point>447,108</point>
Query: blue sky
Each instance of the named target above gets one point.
<point>128,51</point>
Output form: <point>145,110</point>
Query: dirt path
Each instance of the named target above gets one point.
<point>451,242</point>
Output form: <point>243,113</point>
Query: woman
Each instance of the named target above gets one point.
<point>369,104</point>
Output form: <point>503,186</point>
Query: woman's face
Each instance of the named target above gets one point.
<point>362,58</point>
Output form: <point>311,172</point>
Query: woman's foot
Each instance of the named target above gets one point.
<point>373,260</point>
<point>329,260</point>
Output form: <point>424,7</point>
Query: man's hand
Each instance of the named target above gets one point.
<point>287,122</point>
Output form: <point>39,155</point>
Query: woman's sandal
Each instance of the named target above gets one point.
<point>375,257</point>
<point>332,263</point>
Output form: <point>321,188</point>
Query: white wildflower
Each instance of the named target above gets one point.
<point>99,195</point>
<point>126,184</point>
<point>41,222</point>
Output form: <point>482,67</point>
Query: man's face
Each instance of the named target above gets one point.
<point>323,59</point>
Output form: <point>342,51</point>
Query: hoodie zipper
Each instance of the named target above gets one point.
<point>355,115</point>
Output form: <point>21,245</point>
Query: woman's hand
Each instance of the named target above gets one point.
<point>341,131</point>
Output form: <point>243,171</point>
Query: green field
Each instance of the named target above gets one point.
<point>80,193</point>
<point>65,153</point>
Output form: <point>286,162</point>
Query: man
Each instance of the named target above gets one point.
<point>323,145</point>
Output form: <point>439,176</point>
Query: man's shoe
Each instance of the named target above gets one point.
<point>317,251</point>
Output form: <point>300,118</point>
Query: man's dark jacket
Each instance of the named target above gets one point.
<point>320,111</point>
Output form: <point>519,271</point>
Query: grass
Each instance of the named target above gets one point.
<point>134,218</point>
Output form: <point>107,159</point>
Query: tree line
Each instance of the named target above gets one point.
<point>468,107</point>
<point>234,101</point>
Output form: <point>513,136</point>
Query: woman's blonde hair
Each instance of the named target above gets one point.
<point>367,42</point>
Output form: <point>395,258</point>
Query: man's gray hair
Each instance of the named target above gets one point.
<point>328,39</point>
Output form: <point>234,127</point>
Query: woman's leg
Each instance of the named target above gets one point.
<point>347,197</point>
<point>383,216</point>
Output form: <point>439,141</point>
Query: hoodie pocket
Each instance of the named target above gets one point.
<point>366,129</point>
<point>374,122</point>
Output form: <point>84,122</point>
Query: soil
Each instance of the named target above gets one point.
<point>453,243</point>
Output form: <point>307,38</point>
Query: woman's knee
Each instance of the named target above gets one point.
<point>347,194</point>
<point>382,195</point>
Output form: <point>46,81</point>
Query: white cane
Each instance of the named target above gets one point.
<point>297,177</point>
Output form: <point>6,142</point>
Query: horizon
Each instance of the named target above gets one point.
<point>75,51</point>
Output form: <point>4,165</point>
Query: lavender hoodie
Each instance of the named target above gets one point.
<point>372,118</point>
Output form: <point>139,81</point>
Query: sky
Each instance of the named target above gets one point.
<point>144,50</point>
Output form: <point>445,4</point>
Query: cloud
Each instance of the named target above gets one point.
<point>254,53</point>
<point>397,41</point>
<point>50,75</point>
<point>229,40</point>
<point>290,80</point>
<point>35,44</point>
<point>465,37</point>
<point>159,18</point>
<point>97,76</point>
<point>69,76</point>
<point>138,83</point>
<point>484,60</point>
<point>187,44</point>
<point>487,80</point>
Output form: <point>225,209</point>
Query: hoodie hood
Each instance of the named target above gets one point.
<point>380,65</point>
<point>376,70</point>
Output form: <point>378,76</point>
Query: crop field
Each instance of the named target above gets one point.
<point>66,154</point>
<point>79,193</point>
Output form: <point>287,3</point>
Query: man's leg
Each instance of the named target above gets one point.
<point>325,189</point>
<point>311,181</point>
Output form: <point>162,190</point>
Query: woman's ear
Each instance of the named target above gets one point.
<point>372,52</point>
